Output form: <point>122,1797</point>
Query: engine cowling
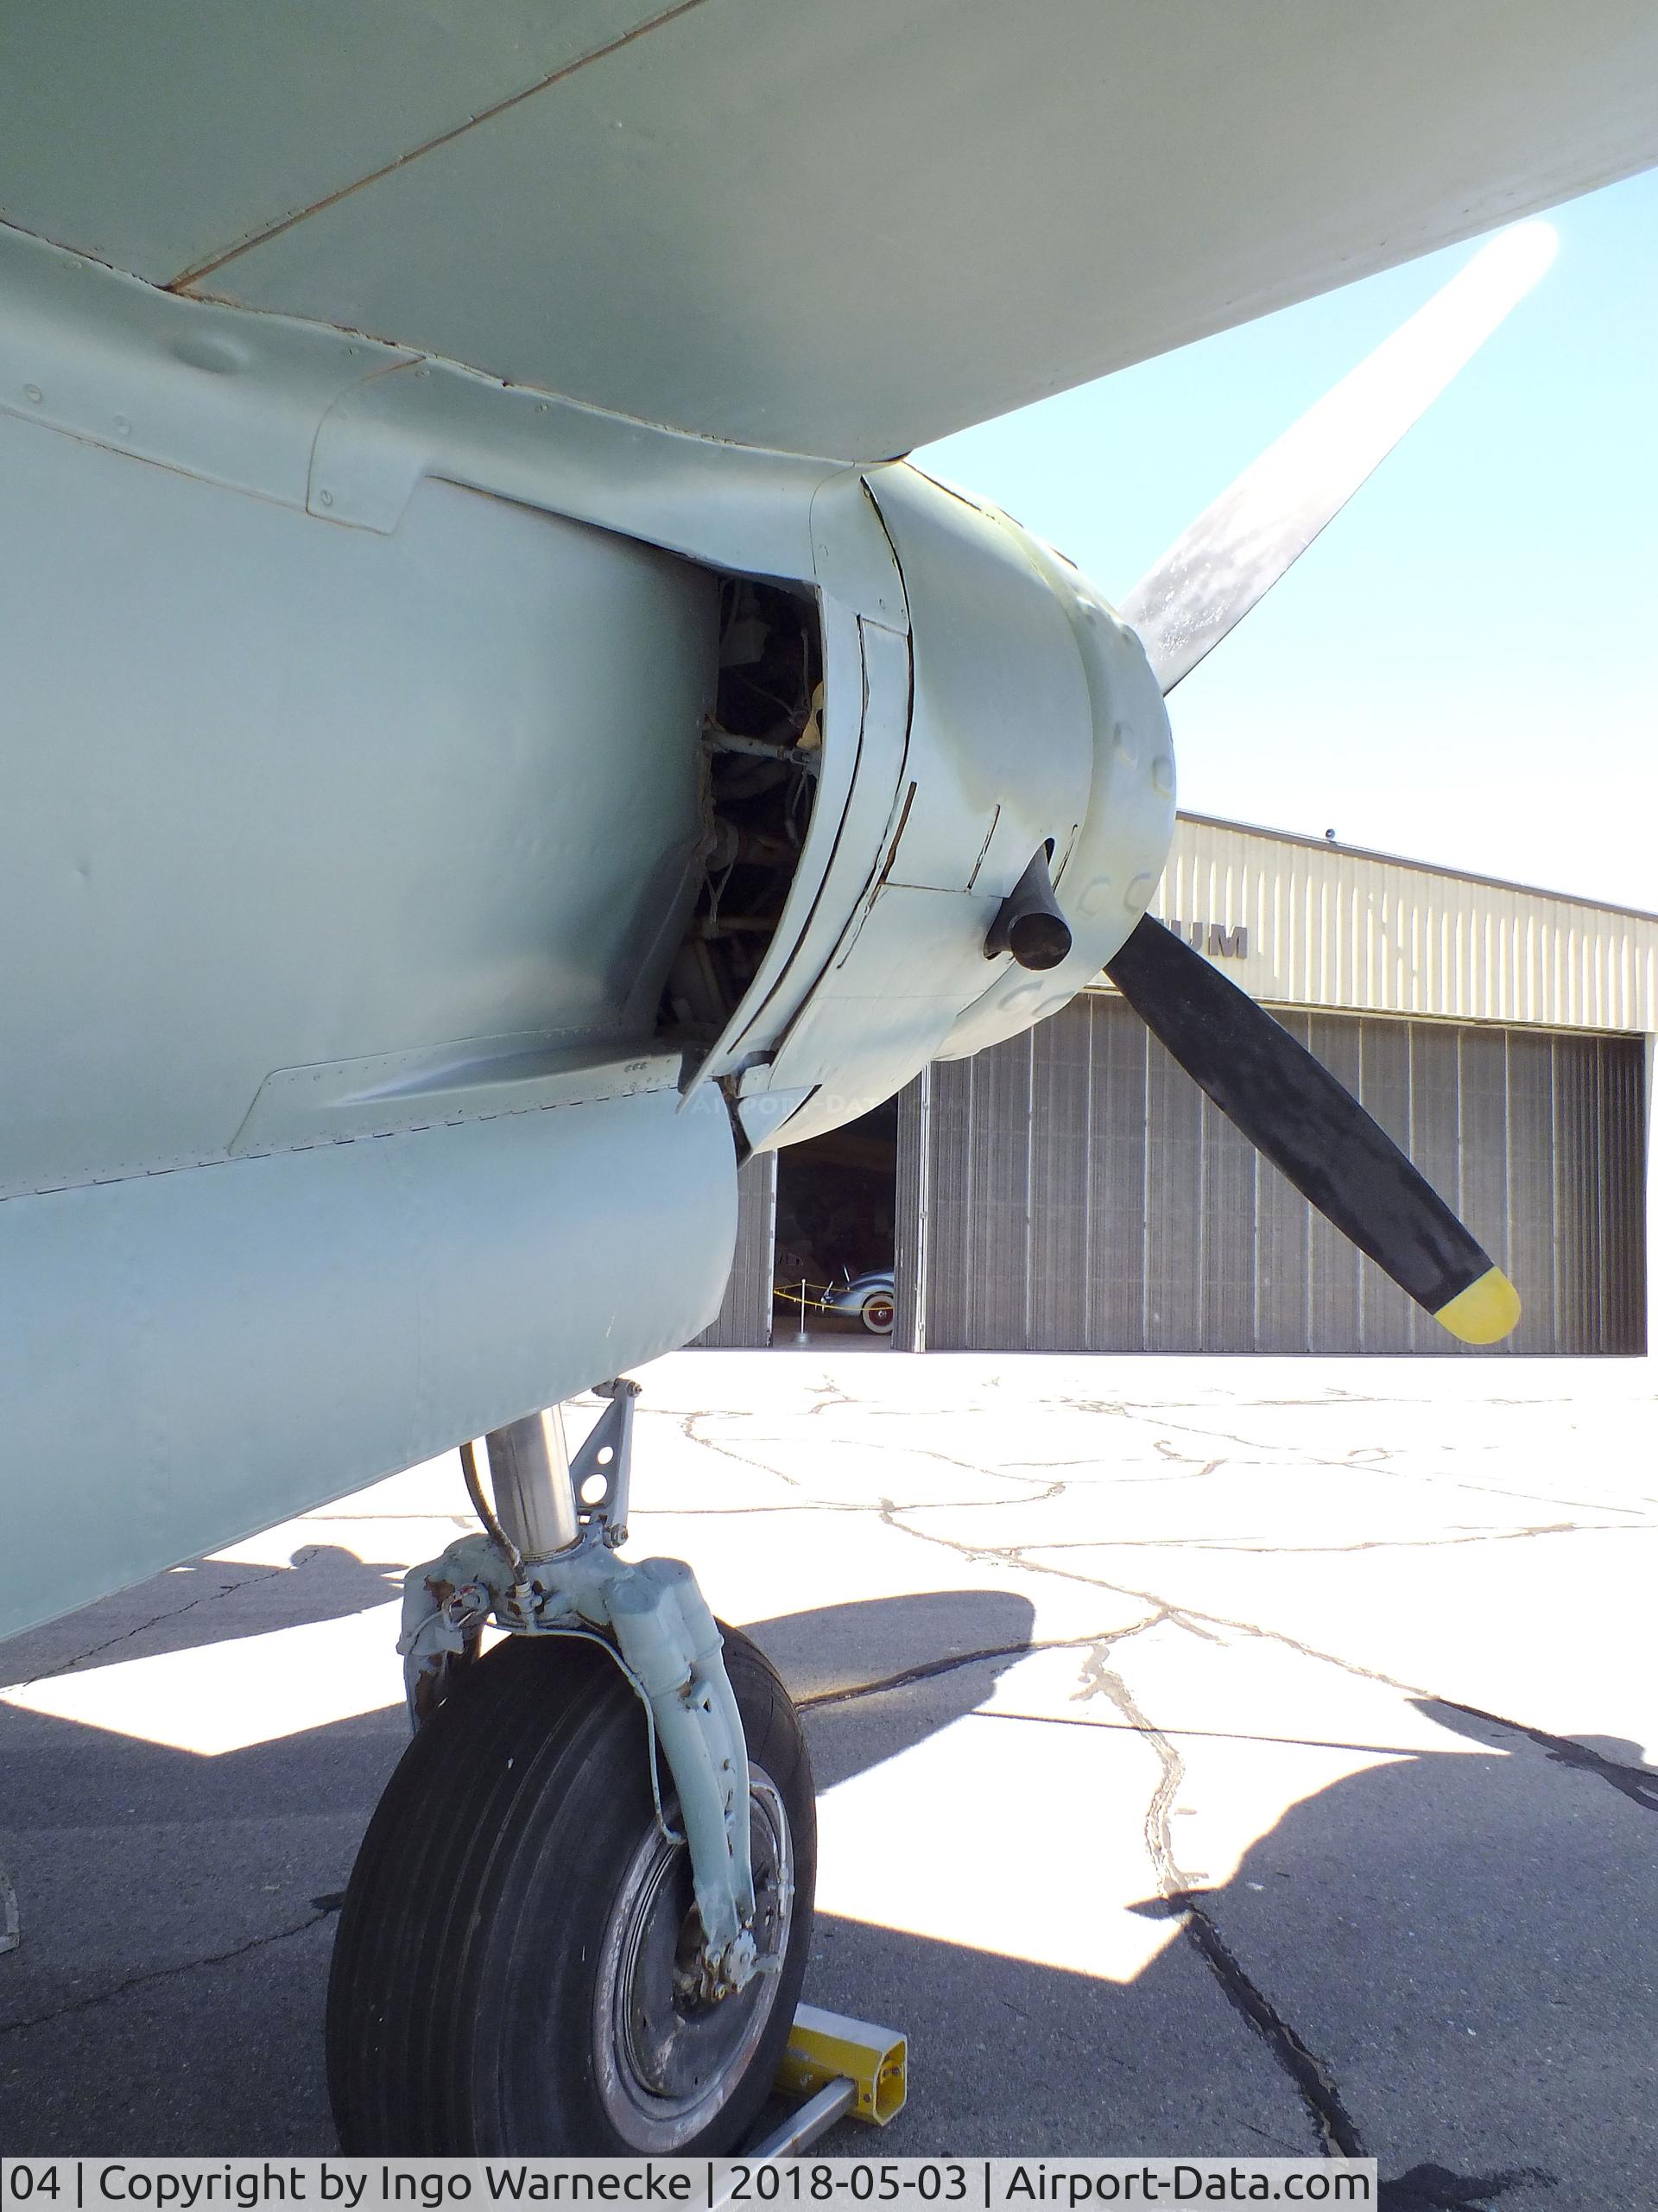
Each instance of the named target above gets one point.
<point>1032,723</point>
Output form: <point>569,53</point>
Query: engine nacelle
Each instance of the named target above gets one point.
<point>1031,722</point>
<point>378,877</point>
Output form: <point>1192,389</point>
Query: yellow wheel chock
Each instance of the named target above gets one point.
<point>841,2068</point>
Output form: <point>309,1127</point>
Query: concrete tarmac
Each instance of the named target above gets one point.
<point>1245,1756</point>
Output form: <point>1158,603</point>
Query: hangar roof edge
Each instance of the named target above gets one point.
<point>1404,860</point>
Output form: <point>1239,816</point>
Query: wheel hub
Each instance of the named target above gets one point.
<point>670,2053</point>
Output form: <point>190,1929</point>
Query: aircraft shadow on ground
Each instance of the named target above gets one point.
<point>204,1601</point>
<point>1448,1956</point>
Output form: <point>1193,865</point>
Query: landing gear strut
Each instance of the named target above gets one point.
<point>579,1919</point>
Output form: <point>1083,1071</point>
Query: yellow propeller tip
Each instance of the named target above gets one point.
<point>1484,1312</point>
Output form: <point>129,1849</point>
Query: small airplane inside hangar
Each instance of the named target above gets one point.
<point>1064,1192</point>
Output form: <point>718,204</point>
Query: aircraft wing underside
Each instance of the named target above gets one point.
<point>838,230</point>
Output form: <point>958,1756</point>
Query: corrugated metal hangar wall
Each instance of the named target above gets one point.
<point>1073,1190</point>
<point>744,1316</point>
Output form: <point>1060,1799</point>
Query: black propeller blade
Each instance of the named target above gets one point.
<point>1293,1111</point>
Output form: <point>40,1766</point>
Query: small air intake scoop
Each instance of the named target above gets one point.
<point>1028,923</point>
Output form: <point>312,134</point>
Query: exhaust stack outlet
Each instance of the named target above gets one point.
<point>1029,923</point>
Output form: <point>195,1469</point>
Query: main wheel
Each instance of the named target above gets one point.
<point>878,1312</point>
<point>509,1973</point>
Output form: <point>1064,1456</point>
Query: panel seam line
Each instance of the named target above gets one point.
<point>194,275</point>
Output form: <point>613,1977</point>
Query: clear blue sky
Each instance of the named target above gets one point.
<point>1465,667</point>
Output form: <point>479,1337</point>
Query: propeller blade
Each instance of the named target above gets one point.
<point>1293,1111</point>
<point>1237,550</point>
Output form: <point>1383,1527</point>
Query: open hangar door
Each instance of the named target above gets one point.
<point>836,1219</point>
<point>1072,1190</point>
<point>814,1220</point>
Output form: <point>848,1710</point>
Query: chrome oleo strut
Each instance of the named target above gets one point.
<point>649,1615</point>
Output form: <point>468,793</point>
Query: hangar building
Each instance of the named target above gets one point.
<point>1072,1190</point>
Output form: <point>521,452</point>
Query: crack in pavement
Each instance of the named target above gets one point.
<point>1426,2187</point>
<point>160,1974</point>
<point>174,1612</point>
<point>1311,1551</point>
<point>1640,1785</point>
<point>1265,1452</point>
<point>1423,2187</point>
<point>1544,1497</point>
<point>830,1396</point>
<point>460,1521</point>
<point>1041,1484</point>
<point>688,1431</point>
<point>1304,1458</point>
<point>831,1506</point>
<point>1188,1471</point>
<point>929,1670</point>
<point>1311,2078</point>
<point>1302,1461</point>
<point>1569,1752</point>
<point>1038,1492</point>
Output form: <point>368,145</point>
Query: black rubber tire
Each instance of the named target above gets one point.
<point>461,1999</point>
